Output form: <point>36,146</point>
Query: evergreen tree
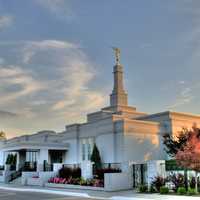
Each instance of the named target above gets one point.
<point>174,144</point>
<point>8,160</point>
<point>96,158</point>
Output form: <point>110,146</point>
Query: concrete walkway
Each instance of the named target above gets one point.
<point>122,195</point>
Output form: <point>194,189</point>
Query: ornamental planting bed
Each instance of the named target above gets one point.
<point>71,178</point>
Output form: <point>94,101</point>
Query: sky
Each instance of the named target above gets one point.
<point>56,59</point>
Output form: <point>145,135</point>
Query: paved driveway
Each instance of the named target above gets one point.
<point>12,195</point>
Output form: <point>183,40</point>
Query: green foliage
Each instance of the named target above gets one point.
<point>143,188</point>
<point>191,191</point>
<point>152,189</point>
<point>158,182</point>
<point>67,172</point>
<point>182,191</point>
<point>174,144</point>
<point>11,159</point>
<point>95,157</point>
<point>178,181</point>
<point>164,190</point>
<point>8,159</point>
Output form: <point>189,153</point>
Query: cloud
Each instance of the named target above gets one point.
<point>5,21</point>
<point>7,114</point>
<point>31,47</point>
<point>50,86</point>
<point>16,83</point>
<point>59,8</point>
<point>185,95</point>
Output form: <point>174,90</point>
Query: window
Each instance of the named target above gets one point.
<point>31,156</point>
<point>87,147</point>
<point>83,151</point>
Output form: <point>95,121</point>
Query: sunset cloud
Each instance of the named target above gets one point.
<point>16,83</point>
<point>56,90</point>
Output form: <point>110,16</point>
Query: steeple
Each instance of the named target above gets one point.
<point>118,97</point>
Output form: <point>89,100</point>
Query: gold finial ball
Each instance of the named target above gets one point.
<point>117,54</point>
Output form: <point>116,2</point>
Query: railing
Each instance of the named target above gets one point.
<point>48,167</point>
<point>29,167</point>
<point>15,175</point>
<point>111,165</point>
<point>71,166</point>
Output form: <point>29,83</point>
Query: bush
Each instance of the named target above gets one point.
<point>152,189</point>
<point>181,191</point>
<point>178,181</point>
<point>143,188</point>
<point>67,172</point>
<point>164,190</point>
<point>191,191</point>
<point>192,182</point>
<point>100,172</point>
<point>96,158</point>
<point>158,182</point>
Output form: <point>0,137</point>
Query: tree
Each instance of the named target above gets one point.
<point>96,158</point>
<point>189,155</point>
<point>174,144</point>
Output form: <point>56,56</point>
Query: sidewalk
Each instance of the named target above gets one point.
<point>121,195</point>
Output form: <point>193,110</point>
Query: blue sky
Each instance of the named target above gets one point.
<point>56,59</point>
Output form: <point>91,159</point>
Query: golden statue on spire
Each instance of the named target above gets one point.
<point>117,54</point>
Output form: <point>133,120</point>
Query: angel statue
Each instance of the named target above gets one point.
<point>117,54</point>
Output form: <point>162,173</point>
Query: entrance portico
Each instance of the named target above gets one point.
<point>31,155</point>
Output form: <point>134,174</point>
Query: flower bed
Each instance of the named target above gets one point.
<point>77,181</point>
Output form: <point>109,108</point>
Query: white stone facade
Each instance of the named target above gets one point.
<point>122,134</point>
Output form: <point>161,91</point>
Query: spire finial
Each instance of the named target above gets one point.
<point>117,54</point>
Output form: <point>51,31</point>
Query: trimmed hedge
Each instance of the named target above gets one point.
<point>67,172</point>
<point>181,191</point>
<point>143,188</point>
<point>191,191</point>
<point>164,190</point>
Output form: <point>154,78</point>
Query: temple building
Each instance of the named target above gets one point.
<point>124,136</point>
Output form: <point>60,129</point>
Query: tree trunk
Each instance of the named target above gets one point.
<point>196,182</point>
<point>186,178</point>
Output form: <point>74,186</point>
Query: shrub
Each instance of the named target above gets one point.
<point>191,191</point>
<point>152,189</point>
<point>143,188</point>
<point>96,158</point>
<point>192,182</point>
<point>177,180</point>
<point>100,172</point>
<point>181,191</point>
<point>164,190</point>
<point>158,182</point>
<point>67,172</point>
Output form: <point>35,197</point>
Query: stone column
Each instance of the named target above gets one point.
<point>43,155</point>
<point>18,161</point>
<point>155,168</point>
<point>87,169</point>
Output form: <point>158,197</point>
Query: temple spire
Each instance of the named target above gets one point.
<point>119,96</point>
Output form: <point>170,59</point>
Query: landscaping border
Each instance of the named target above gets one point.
<point>70,186</point>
